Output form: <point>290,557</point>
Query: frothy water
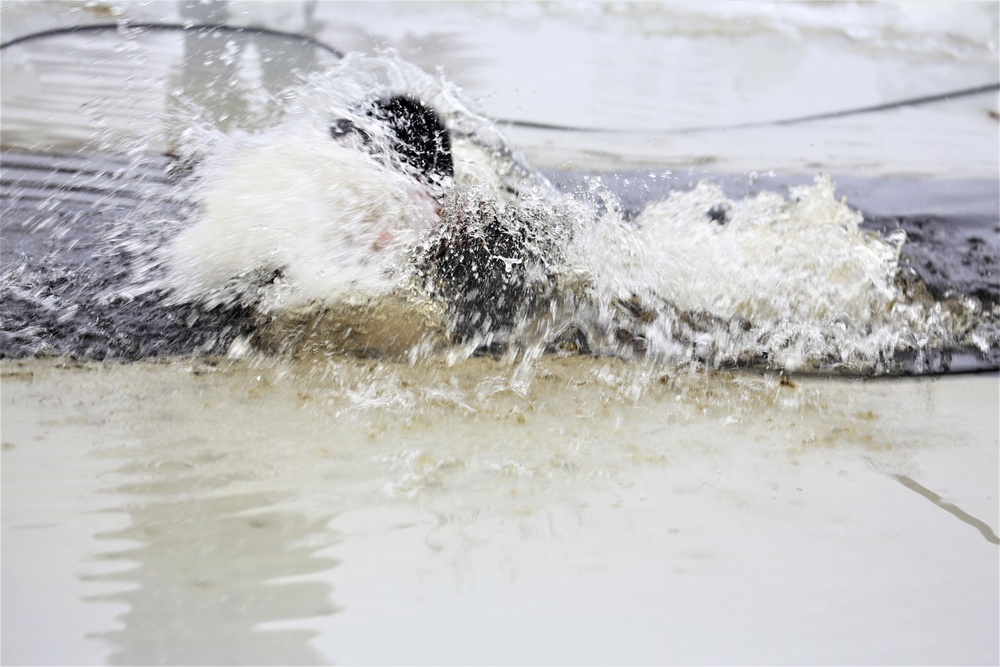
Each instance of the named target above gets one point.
<point>285,241</point>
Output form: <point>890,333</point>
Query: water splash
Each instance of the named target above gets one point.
<point>283,241</point>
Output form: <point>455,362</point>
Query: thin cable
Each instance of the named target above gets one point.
<point>910,102</point>
<point>185,27</point>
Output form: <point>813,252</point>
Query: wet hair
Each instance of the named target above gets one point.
<point>418,134</point>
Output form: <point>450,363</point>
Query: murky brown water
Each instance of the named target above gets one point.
<point>239,513</point>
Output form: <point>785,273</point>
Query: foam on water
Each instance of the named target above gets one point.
<point>794,280</point>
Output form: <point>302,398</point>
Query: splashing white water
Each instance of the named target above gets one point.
<point>330,219</point>
<point>294,222</point>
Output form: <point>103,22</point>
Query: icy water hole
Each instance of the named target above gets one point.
<point>302,465</point>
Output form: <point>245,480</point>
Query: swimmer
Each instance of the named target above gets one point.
<point>488,266</point>
<point>418,139</point>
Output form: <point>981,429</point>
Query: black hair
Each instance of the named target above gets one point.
<point>417,133</point>
<point>421,138</point>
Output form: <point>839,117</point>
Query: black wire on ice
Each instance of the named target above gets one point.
<point>125,26</point>
<point>909,102</point>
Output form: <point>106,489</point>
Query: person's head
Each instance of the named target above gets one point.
<point>417,133</point>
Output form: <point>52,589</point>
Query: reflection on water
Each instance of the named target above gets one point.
<point>950,508</point>
<point>209,570</point>
<point>279,513</point>
<point>191,534</point>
